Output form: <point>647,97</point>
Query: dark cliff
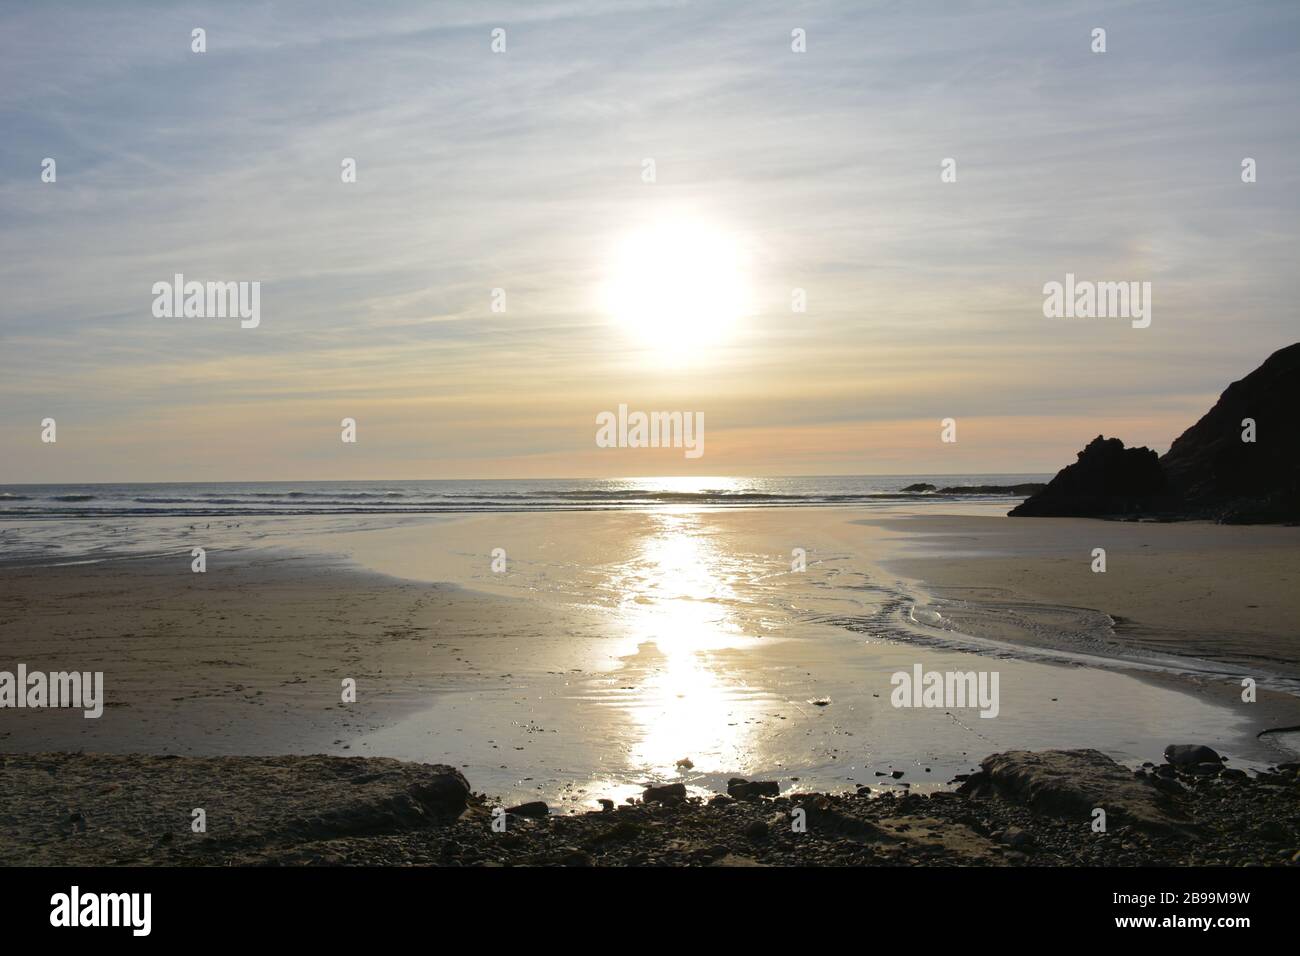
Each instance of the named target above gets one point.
<point>1240,463</point>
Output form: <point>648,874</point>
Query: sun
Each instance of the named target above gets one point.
<point>678,284</point>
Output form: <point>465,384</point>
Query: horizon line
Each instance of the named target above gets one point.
<point>281,481</point>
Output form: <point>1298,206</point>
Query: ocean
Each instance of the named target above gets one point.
<point>271,498</point>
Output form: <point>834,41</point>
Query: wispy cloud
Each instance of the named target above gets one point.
<point>521,170</point>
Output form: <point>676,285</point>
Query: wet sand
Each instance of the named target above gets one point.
<point>1214,592</point>
<point>247,658</point>
<point>620,648</point>
<point>1188,604</point>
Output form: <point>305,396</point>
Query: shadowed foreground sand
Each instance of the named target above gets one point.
<point>1021,809</point>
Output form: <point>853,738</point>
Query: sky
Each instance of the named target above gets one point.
<point>524,171</point>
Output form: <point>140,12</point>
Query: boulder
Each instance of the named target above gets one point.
<point>1188,755</point>
<point>664,793</point>
<point>1017,839</point>
<point>1073,783</point>
<point>744,789</point>
<point>756,830</point>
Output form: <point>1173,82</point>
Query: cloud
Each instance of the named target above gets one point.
<point>518,171</point>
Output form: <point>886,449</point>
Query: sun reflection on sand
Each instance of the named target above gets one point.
<point>677,610</point>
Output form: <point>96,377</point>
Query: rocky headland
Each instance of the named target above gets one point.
<point>1239,464</point>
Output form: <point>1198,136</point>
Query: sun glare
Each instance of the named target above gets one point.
<point>678,285</point>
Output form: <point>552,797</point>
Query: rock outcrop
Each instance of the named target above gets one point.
<point>1239,464</point>
<point>1218,473</point>
<point>1108,479</point>
<point>1024,488</point>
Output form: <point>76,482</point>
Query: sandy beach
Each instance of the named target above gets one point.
<point>1217,593</point>
<point>244,659</point>
<point>616,649</point>
<point>655,434</point>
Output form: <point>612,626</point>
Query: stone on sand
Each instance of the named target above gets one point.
<point>742,789</point>
<point>1071,784</point>
<point>1185,755</point>
<point>664,793</point>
